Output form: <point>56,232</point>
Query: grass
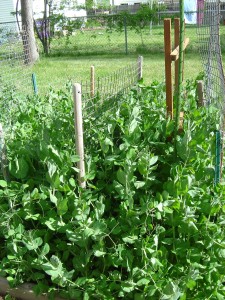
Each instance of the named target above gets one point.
<point>56,71</point>
<point>99,40</point>
<point>72,57</point>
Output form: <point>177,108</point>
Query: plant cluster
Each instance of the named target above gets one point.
<point>148,226</point>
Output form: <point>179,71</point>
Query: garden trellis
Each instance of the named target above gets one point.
<point>208,32</point>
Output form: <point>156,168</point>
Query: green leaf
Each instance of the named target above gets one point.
<point>127,287</point>
<point>33,244</point>
<point>72,182</point>
<point>191,284</point>
<point>171,291</point>
<point>45,250</point>
<point>19,168</point>
<point>143,281</point>
<point>3,183</point>
<point>105,144</point>
<point>153,160</point>
<point>62,206</point>
<point>121,177</point>
<point>155,262</point>
<point>139,184</point>
<point>133,126</point>
<point>99,253</point>
<point>53,198</point>
<point>130,239</point>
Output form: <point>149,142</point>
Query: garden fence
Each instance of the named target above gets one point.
<point>101,91</point>
<point>15,72</point>
<point>214,82</point>
<point>116,35</point>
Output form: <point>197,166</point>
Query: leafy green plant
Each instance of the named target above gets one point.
<point>146,227</point>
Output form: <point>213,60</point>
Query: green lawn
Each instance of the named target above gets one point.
<point>56,71</point>
<point>71,57</point>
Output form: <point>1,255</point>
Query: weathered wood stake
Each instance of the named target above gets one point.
<point>200,97</point>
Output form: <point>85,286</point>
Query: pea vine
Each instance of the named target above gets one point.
<point>146,227</point>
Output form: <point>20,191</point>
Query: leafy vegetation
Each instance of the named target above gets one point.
<point>148,226</point>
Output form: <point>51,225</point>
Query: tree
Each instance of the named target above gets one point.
<point>42,27</point>
<point>30,48</point>
<point>52,15</point>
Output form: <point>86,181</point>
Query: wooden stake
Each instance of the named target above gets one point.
<point>79,133</point>
<point>199,93</point>
<point>175,53</point>
<point>92,81</point>
<point>168,67</point>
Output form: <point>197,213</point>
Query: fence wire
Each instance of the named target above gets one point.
<point>115,35</point>
<point>208,32</point>
<point>102,94</point>
<point>15,72</point>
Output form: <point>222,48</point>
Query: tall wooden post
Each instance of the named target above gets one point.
<point>200,93</point>
<point>168,67</point>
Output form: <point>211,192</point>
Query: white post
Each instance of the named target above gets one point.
<point>79,133</point>
<point>92,81</point>
<point>140,65</point>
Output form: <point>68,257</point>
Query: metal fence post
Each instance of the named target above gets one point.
<point>79,133</point>
<point>140,66</point>
<point>92,81</point>
<point>3,156</point>
<point>34,81</point>
<point>125,32</point>
<point>217,158</point>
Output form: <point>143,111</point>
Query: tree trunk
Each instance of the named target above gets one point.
<point>29,43</point>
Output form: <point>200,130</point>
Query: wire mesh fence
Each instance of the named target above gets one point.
<point>214,82</point>
<point>15,72</point>
<point>116,34</point>
<point>99,94</point>
<point>208,33</point>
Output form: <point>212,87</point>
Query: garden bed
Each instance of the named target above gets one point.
<point>149,225</point>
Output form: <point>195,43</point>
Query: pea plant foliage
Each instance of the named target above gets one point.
<point>148,225</point>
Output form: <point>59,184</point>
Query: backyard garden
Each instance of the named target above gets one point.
<point>149,221</point>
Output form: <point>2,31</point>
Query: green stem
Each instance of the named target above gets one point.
<point>180,75</point>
